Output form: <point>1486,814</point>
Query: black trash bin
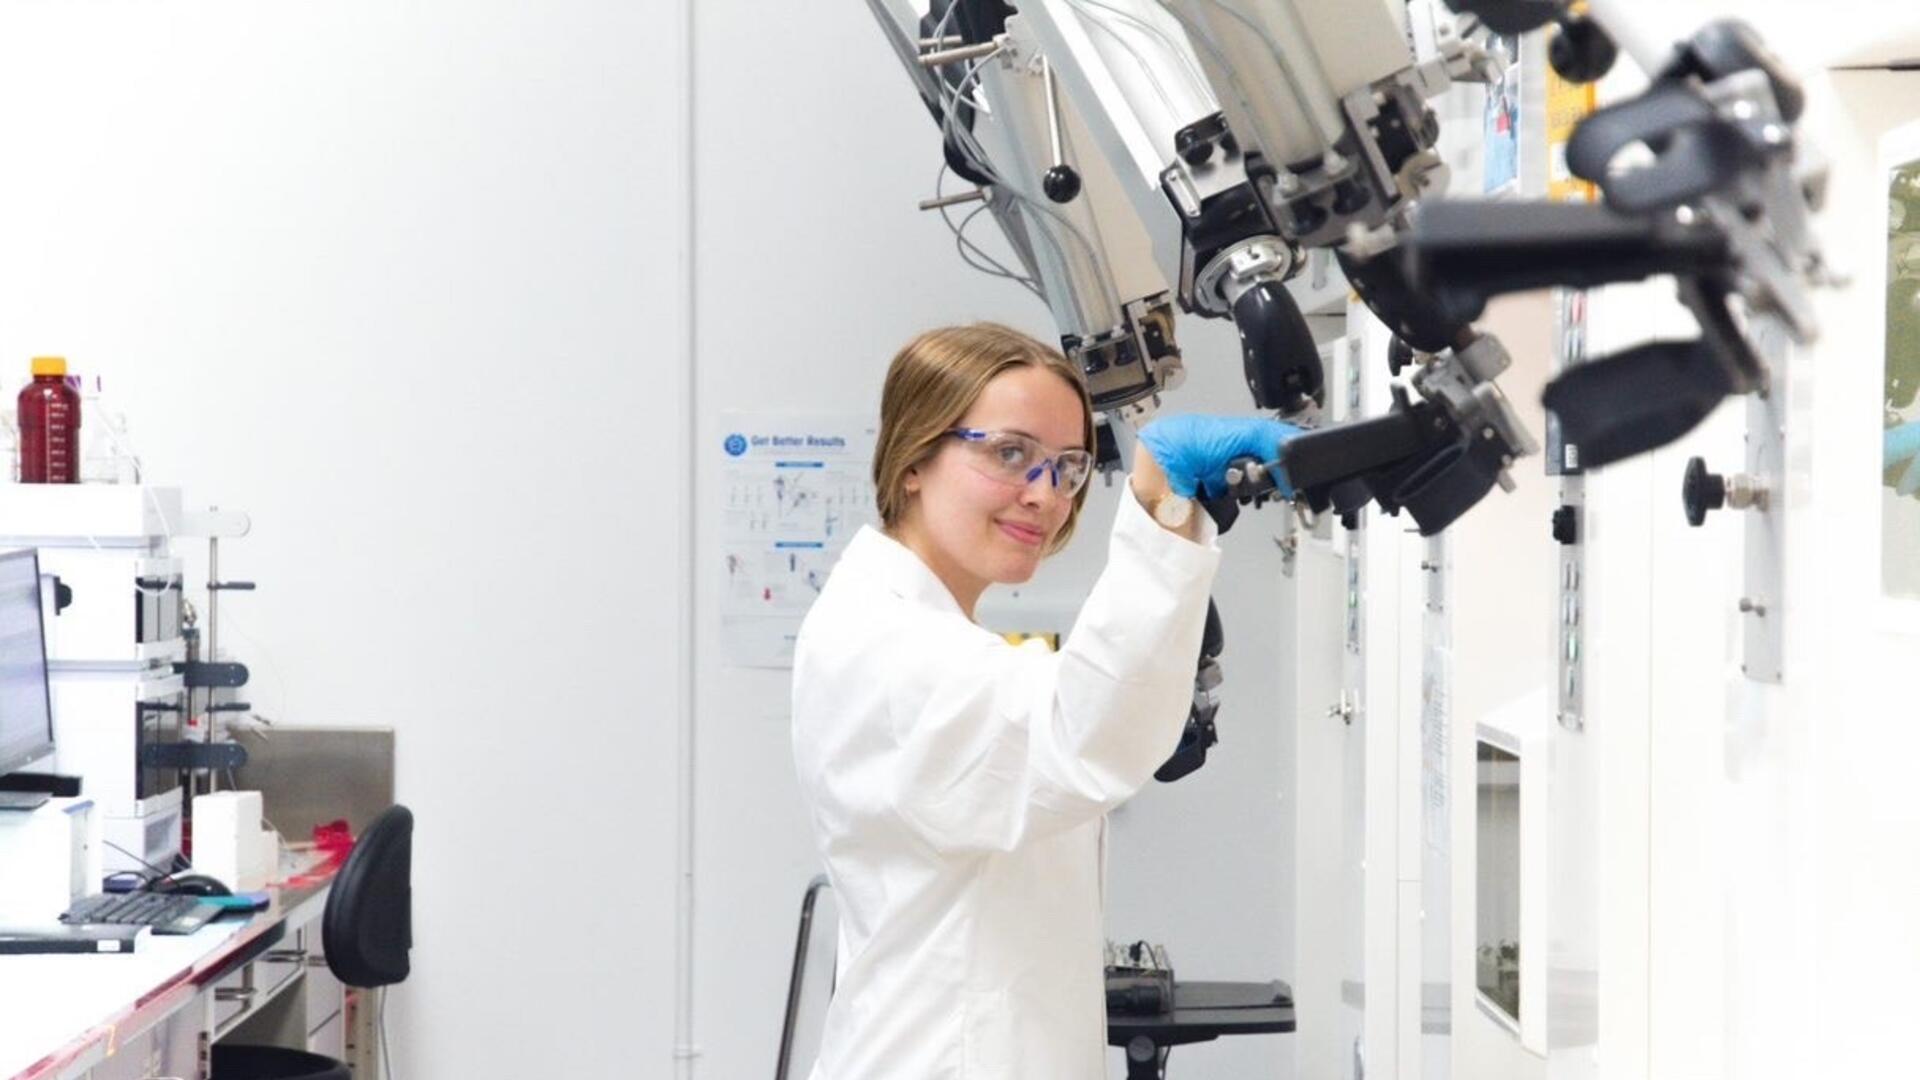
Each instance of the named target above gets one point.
<point>274,1063</point>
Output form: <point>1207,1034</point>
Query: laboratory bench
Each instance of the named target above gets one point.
<point>155,1012</point>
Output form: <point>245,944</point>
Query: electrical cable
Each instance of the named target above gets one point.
<point>970,251</point>
<point>962,138</point>
<point>1331,138</point>
<point>964,246</point>
<point>159,874</point>
<point>1199,81</point>
<point>965,140</point>
<point>969,144</point>
<point>939,34</point>
<point>144,882</point>
<point>1202,37</point>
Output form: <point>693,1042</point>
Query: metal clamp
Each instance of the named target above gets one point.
<point>943,57</point>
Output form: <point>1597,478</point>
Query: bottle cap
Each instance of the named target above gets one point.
<point>49,365</point>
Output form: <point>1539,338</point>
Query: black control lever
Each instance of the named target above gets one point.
<point>1638,400</point>
<point>1510,16</point>
<point>1464,253</point>
<point>1282,362</point>
<point>1414,458</point>
<point>1200,733</point>
<point>1449,479</point>
<point>1383,284</point>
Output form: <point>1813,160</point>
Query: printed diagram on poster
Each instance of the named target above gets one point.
<point>795,488</point>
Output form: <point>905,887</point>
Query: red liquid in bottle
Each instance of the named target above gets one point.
<point>49,426</point>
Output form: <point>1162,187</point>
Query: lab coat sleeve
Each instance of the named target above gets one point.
<point>1008,744</point>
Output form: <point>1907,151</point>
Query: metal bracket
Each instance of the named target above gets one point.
<point>193,755</point>
<point>1761,602</point>
<point>225,675</point>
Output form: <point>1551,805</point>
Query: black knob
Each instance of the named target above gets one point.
<point>1399,355</point>
<point>1702,492</point>
<point>1566,525</point>
<point>1062,183</point>
<point>1581,52</point>
<point>1281,360</point>
<point>1350,197</point>
<point>1193,145</point>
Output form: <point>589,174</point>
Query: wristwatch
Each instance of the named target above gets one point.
<point>1172,510</point>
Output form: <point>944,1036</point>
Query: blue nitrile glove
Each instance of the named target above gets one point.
<point>1194,451</point>
<point>1902,457</point>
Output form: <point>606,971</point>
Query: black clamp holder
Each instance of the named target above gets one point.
<point>193,755</point>
<point>1200,734</point>
<point>224,675</point>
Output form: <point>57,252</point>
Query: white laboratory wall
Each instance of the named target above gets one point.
<point>1502,601</point>
<point>399,281</point>
<point>1759,837</point>
<point>813,268</point>
<point>1857,855</point>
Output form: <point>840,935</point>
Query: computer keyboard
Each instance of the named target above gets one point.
<point>167,913</point>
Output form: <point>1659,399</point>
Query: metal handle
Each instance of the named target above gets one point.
<point>976,195</point>
<point>1053,112</point>
<point>235,993</point>
<point>286,956</point>
<point>955,56</point>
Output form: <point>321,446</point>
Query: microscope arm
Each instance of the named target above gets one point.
<point>1007,128</point>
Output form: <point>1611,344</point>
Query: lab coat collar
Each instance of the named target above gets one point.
<point>898,569</point>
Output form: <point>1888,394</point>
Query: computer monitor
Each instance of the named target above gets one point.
<point>26,706</point>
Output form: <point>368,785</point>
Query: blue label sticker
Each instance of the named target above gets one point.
<point>736,445</point>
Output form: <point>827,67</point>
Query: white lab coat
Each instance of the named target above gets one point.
<point>959,787</point>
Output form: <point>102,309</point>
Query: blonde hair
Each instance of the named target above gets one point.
<point>931,384</point>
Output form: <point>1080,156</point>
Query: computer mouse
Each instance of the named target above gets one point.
<point>191,885</point>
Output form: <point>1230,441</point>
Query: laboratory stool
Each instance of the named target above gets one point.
<point>366,932</point>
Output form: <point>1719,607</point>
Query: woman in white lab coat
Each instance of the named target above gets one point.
<point>959,785</point>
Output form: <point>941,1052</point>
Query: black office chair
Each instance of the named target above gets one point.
<point>366,932</point>
<point>799,999</point>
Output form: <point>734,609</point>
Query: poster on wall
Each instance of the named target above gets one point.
<point>1501,122</point>
<point>1567,105</point>
<point>795,488</point>
<point>1900,419</point>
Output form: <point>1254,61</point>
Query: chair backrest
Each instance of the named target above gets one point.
<point>367,928</point>
<point>811,983</point>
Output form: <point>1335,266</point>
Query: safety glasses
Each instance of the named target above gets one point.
<point>1019,459</point>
